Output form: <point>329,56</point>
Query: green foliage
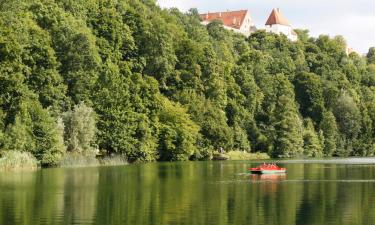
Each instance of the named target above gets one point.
<point>213,124</point>
<point>288,126</point>
<point>309,94</point>
<point>348,116</point>
<point>165,87</point>
<point>311,143</point>
<point>330,132</point>
<point>36,131</point>
<point>371,55</point>
<point>80,129</point>
<point>178,133</point>
<point>348,119</point>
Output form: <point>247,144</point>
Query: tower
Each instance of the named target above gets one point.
<point>277,24</point>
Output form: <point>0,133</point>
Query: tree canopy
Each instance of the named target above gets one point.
<point>155,84</point>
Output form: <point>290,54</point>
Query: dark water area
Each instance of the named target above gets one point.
<point>336,192</point>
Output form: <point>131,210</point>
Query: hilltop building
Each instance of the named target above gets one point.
<point>349,50</point>
<point>277,24</point>
<point>237,21</point>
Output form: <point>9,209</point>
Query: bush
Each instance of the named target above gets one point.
<point>18,161</point>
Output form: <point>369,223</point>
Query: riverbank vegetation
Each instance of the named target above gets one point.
<point>128,78</point>
<point>17,161</point>
<point>243,155</point>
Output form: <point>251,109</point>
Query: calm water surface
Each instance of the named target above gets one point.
<point>193,193</point>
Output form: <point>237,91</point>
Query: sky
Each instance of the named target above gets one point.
<point>353,19</point>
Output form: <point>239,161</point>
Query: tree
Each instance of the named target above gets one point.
<point>140,67</point>
<point>75,48</point>
<point>330,132</point>
<point>216,30</point>
<point>123,124</point>
<point>348,119</point>
<point>347,115</point>
<point>80,129</point>
<point>371,55</point>
<point>241,139</point>
<point>36,131</point>
<point>312,146</point>
<point>178,133</point>
<point>282,117</point>
<point>309,94</point>
<point>213,123</point>
<point>288,126</point>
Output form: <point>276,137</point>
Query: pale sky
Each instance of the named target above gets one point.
<point>353,19</point>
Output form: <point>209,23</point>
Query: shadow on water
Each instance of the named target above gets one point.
<point>192,193</point>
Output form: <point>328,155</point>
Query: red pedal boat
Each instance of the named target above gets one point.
<point>267,169</point>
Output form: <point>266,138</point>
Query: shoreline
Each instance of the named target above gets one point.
<point>370,160</point>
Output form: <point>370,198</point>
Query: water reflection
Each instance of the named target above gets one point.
<point>268,177</point>
<point>191,194</point>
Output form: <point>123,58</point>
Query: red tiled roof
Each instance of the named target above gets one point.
<point>232,19</point>
<point>277,18</point>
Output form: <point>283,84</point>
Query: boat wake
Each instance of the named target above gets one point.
<point>281,180</point>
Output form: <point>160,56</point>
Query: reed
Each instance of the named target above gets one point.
<point>240,155</point>
<point>75,159</point>
<point>18,161</point>
<point>114,160</point>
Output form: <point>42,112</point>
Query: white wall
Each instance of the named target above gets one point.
<point>282,29</point>
<point>244,29</point>
<point>247,24</point>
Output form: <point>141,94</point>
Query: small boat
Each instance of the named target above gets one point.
<point>267,169</point>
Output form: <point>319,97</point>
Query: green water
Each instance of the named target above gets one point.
<point>192,193</point>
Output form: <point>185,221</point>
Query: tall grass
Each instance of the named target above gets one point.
<point>18,161</point>
<point>114,160</point>
<point>75,159</point>
<point>240,155</point>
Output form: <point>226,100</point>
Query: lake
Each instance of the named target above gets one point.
<point>193,193</point>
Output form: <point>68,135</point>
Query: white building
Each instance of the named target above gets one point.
<point>237,21</point>
<point>277,24</point>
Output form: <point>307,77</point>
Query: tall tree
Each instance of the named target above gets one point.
<point>371,55</point>
<point>309,94</point>
<point>330,132</point>
<point>311,143</point>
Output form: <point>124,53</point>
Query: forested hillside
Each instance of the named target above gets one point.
<point>127,77</point>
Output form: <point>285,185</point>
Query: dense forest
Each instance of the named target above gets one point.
<point>127,77</point>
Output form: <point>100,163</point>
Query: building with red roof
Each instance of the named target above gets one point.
<point>238,21</point>
<point>278,24</point>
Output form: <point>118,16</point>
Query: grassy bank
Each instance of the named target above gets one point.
<point>18,161</point>
<point>24,161</point>
<point>240,155</point>
<point>82,160</point>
